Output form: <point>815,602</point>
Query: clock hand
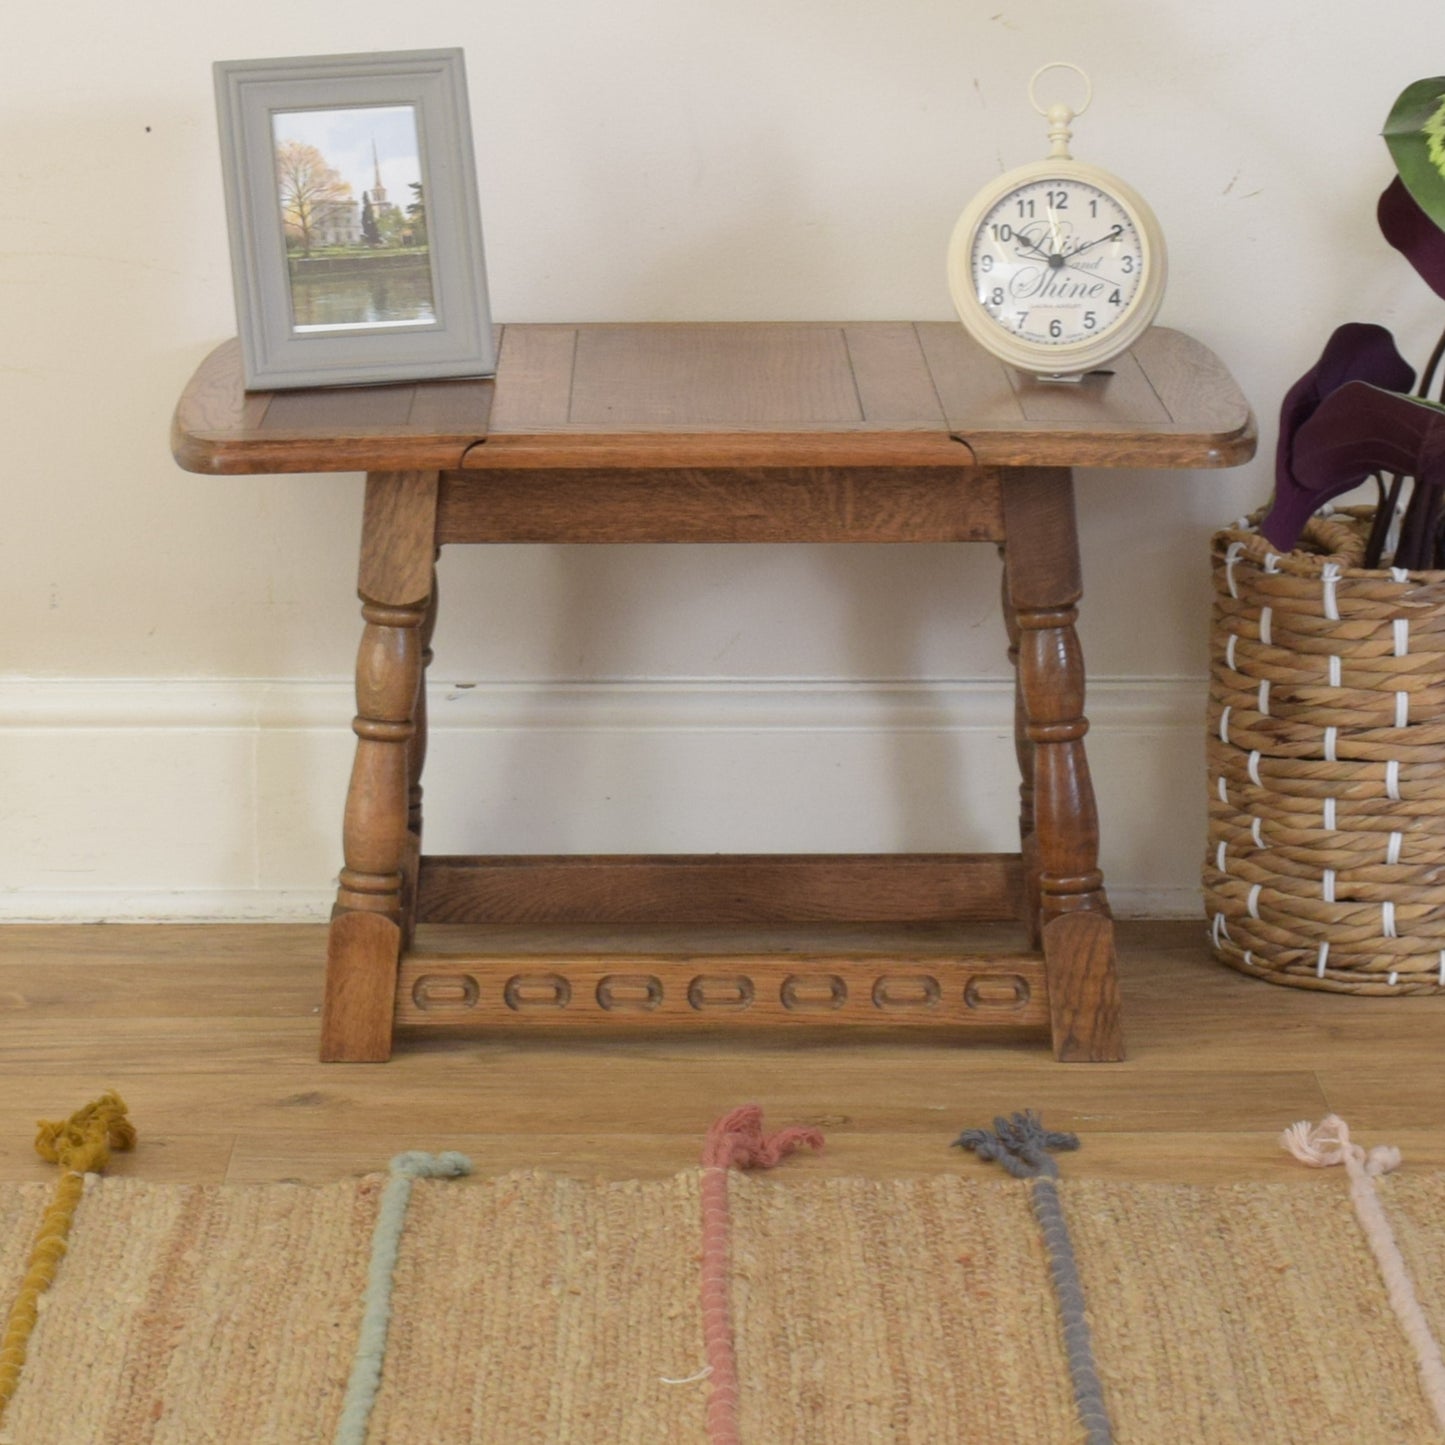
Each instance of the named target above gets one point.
<point>1057,260</point>
<point>1096,276</point>
<point>1113,234</point>
<point>1058,245</point>
<point>1047,255</point>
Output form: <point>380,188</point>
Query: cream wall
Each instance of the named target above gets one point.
<point>173,693</point>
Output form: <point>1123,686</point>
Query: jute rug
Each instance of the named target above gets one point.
<point>531,1308</point>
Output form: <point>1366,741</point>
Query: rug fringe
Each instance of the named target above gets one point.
<point>365,1380</point>
<point>1024,1147</point>
<point>735,1141</point>
<point>80,1145</point>
<point>1327,1144</point>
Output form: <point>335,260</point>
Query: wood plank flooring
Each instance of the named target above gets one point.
<point>210,1032</point>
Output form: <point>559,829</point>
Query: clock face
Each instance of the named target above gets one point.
<point>1057,261</point>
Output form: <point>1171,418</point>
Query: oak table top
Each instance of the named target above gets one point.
<point>730,394</point>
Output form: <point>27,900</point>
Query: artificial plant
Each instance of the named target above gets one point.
<point>1358,413</point>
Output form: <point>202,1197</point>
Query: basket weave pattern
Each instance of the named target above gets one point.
<point>1326,861</point>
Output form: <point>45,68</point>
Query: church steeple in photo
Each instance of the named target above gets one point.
<point>378,191</point>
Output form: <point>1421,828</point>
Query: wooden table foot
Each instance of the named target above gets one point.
<point>1083,989</point>
<point>363,952</point>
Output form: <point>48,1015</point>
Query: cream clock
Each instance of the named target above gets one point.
<point>1057,267</point>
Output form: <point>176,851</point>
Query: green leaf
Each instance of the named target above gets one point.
<point>1415,134</point>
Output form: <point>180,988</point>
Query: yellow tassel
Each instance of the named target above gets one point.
<point>80,1144</point>
<point>83,1142</point>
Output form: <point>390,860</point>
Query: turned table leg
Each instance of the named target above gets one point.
<point>416,764</point>
<point>1024,750</point>
<point>1044,587</point>
<point>372,916</point>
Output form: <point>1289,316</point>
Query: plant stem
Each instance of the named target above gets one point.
<point>1428,375</point>
<point>1384,515</point>
<point>1417,531</point>
<point>1419,544</point>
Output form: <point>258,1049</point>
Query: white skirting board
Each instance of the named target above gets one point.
<point>207,800</point>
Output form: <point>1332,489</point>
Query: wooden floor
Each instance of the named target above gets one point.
<point>209,1032</point>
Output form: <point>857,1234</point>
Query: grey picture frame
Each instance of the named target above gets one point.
<point>448,332</point>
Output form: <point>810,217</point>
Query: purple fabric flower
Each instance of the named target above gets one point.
<point>1411,232</point>
<point>1358,351</point>
<point>1360,429</point>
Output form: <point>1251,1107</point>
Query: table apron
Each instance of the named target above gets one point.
<point>701,504</point>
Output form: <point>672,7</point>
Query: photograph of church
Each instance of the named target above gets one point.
<point>352,205</point>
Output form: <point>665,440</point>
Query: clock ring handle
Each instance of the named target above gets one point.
<point>1060,65</point>
<point>1059,116</point>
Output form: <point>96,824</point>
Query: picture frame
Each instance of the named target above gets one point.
<point>355,230</point>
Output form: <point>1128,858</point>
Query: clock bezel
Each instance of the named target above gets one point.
<point>1068,362</point>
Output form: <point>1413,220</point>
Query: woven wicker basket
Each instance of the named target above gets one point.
<point>1326,863</point>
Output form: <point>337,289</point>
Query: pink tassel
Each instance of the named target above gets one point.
<point>735,1141</point>
<point>1329,1144</point>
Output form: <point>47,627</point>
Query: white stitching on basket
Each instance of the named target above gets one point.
<point>1253,902</point>
<point>1331,734</point>
<point>1387,920</point>
<point>1400,574</point>
<point>1442,968</point>
<point>1230,558</point>
<point>1221,930</point>
<point>1264,697</point>
<point>1330,576</point>
<point>1266,614</point>
<point>1329,815</point>
<point>1392,853</point>
<point>1402,709</point>
<point>1229,652</point>
<point>1254,768</point>
<point>1392,780</point>
<point>1335,666</point>
<point>1223,791</point>
<point>1402,637</point>
<point>1256,833</point>
<point>1394,978</point>
<point>1219,861</point>
<point>1320,962</point>
<point>1327,885</point>
<point>1271,563</point>
<point>1224,724</point>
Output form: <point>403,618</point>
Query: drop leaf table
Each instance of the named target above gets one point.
<point>723,432</point>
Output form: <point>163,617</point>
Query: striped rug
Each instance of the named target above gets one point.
<point>531,1308</point>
